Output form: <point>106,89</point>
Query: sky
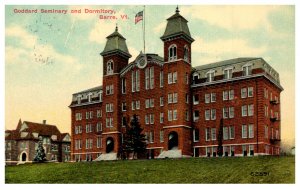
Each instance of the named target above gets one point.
<point>48,56</point>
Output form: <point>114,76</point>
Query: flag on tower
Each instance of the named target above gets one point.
<point>138,17</point>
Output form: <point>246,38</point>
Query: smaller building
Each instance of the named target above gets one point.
<point>21,143</point>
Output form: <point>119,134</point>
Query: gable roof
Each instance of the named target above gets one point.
<point>41,129</point>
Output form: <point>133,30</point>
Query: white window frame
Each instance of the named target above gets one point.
<point>110,67</point>
<point>161,79</point>
<point>244,111</point>
<point>250,131</point>
<point>244,93</point>
<point>244,131</point>
<point>250,91</point>
<point>172,52</point>
<point>213,134</point>
<point>210,75</point>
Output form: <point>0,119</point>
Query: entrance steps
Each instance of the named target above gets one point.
<point>108,156</point>
<point>175,153</point>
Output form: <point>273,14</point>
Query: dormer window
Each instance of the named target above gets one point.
<point>172,53</point>
<point>90,97</point>
<point>247,69</point>
<point>210,75</point>
<point>186,54</point>
<point>79,99</point>
<point>110,67</point>
<point>195,77</point>
<point>100,96</point>
<point>228,73</point>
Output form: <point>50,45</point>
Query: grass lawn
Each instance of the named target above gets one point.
<point>192,170</point>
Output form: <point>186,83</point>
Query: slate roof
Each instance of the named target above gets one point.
<point>225,62</point>
<point>116,43</point>
<point>89,90</point>
<point>177,25</point>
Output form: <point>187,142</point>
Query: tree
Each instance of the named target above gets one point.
<point>220,139</point>
<point>40,155</point>
<point>134,141</point>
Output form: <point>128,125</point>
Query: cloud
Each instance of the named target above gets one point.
<point>224,48</point>
<point>231,17</point>
<point>26,39</point>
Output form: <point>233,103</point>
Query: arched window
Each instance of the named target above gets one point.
<point>90,97</point>
<point>186,54</point>
<point>110,67</point>
<point>172,52</point>
<point>210,75</point>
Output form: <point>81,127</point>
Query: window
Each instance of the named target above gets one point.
<point>161,118</point>
<point>213,114</point>
<point>207,134</point>
<point>170,114</point>
<point>225,113</point>
<point>196,115</point>
<point>137,104</point>
<point>175,95</point>
<point>187,117</point>
<point>250,110</point>
<point>124,108</point>
<point>228,73</point>
<point>109,122</point>
<point>99,113</point>
<point>225,95</point>
<point>207,98</point>
<point>244,110</point>
<point>195,77</point>
<point>266,132</point>
<point>99,127</point>
<point>210,75</point>
<point>151,77</point>
<point>170,98</point>
<point>213,134</point>
<point>250,91</point>
<point>266,93</point>
<point>109,89</point>
<point>147,78</point>
<point>231,112</point>
<point>196,135</point>
<point>207,114</point>
<point>225,133</point>
<point>231,132</point>
<point>247,70</point>
<point>151,139</point>
<point>133,105</point>
<point>110,67</point>
<point>151,102</point>
<point>161,136</point>
<point>170,80</point>
<point>8,146</point>
<point>161,101</point>
<point>251,131</point>
<point>152,118</point>
<point>124,121</point>
<point>90,97</point>
<point>174,114</point>
<point>196,99</point>
<point>186,98</point>
<point>266,111</point>
<point>186,78</point>
<point>172,53</point>
<point>109,107</point>
<point>244,93</point>
<point>88,128</point>
<point>123,86</point>
<point>146,119</point>
<point>135,81</point>
<point>100,96</point>
<point>99,142</point>
<point>161,79</point>
<point>186,54</point>
<point>244,131</point>
<point>175,77</point>
<point>91,114</point>
<point>147,103</point>
<point>87,115</point>
<point>231,94</point>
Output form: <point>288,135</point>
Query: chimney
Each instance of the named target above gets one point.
<point>44,122</point>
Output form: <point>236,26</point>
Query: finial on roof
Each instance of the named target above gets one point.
<point>177,9</point>
<point>116,27</point>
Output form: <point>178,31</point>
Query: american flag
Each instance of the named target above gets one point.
<point>138,17</point>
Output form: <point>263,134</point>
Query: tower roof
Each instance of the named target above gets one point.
<point>115,43</point>
<point>176,26</point>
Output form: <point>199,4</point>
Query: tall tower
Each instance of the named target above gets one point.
<point>115,58</point>
<point>177,69</point>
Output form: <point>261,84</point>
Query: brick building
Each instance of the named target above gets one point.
<point>179,106</point>
<point>21,144</point>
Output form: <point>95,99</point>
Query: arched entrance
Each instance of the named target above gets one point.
<point>23,157</point>
<point>109,145</point>
<point>173,141</point>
